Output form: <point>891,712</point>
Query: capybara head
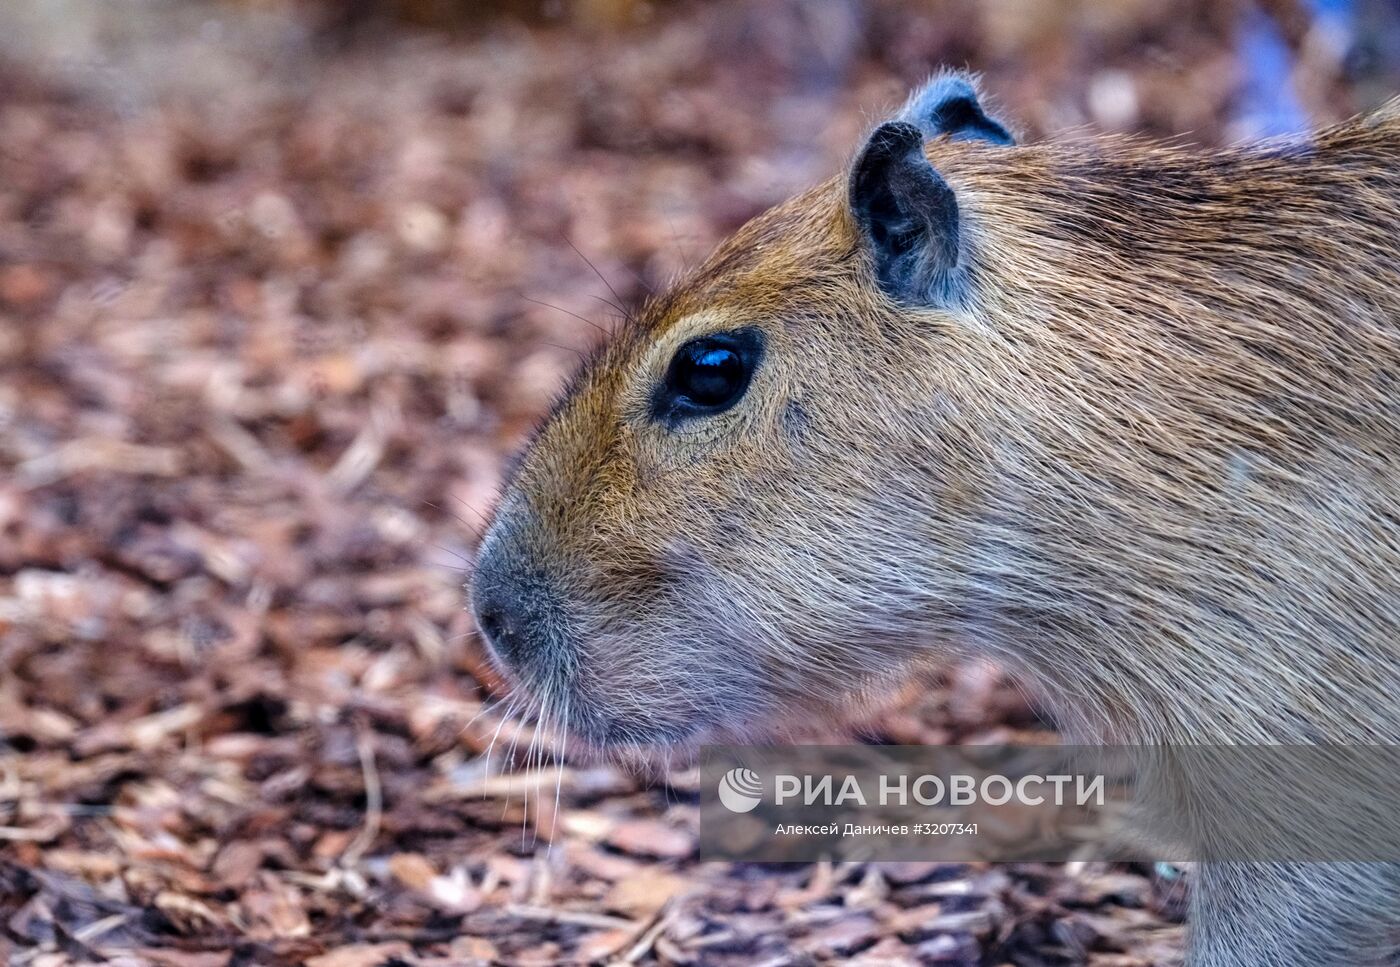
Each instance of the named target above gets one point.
<point>713,526</point>
<point>1029,402</point>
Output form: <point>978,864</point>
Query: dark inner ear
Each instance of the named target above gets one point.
<point>962,119</point>
<point>948,105</point>
<point>907,213</point>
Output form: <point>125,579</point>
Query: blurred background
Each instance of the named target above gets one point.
<point>283,282</point>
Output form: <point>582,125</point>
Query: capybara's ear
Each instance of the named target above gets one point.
<point>948,105</point>
<point>907,216</point>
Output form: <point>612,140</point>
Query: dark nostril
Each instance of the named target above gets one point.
<point>501,629</point>
<point>491,622</point>
<point>514,605</point>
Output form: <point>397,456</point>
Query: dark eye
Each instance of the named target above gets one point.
<point>708,375</point>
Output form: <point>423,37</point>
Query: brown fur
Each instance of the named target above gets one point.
<point>1152,463</point>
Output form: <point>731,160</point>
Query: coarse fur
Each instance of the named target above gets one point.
<point>1147,454</point>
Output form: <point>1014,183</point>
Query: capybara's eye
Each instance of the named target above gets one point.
<point>708,375</point>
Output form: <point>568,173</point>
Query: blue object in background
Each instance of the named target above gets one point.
<point>1268,105</point>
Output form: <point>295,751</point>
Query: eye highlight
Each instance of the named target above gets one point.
<point>708,375</point>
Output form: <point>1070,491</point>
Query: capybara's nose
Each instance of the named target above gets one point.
<point>501,610</point>
<point>499,627</point>
<point>514,605</point>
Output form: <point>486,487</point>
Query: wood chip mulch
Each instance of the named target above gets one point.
<point>275,305</point>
